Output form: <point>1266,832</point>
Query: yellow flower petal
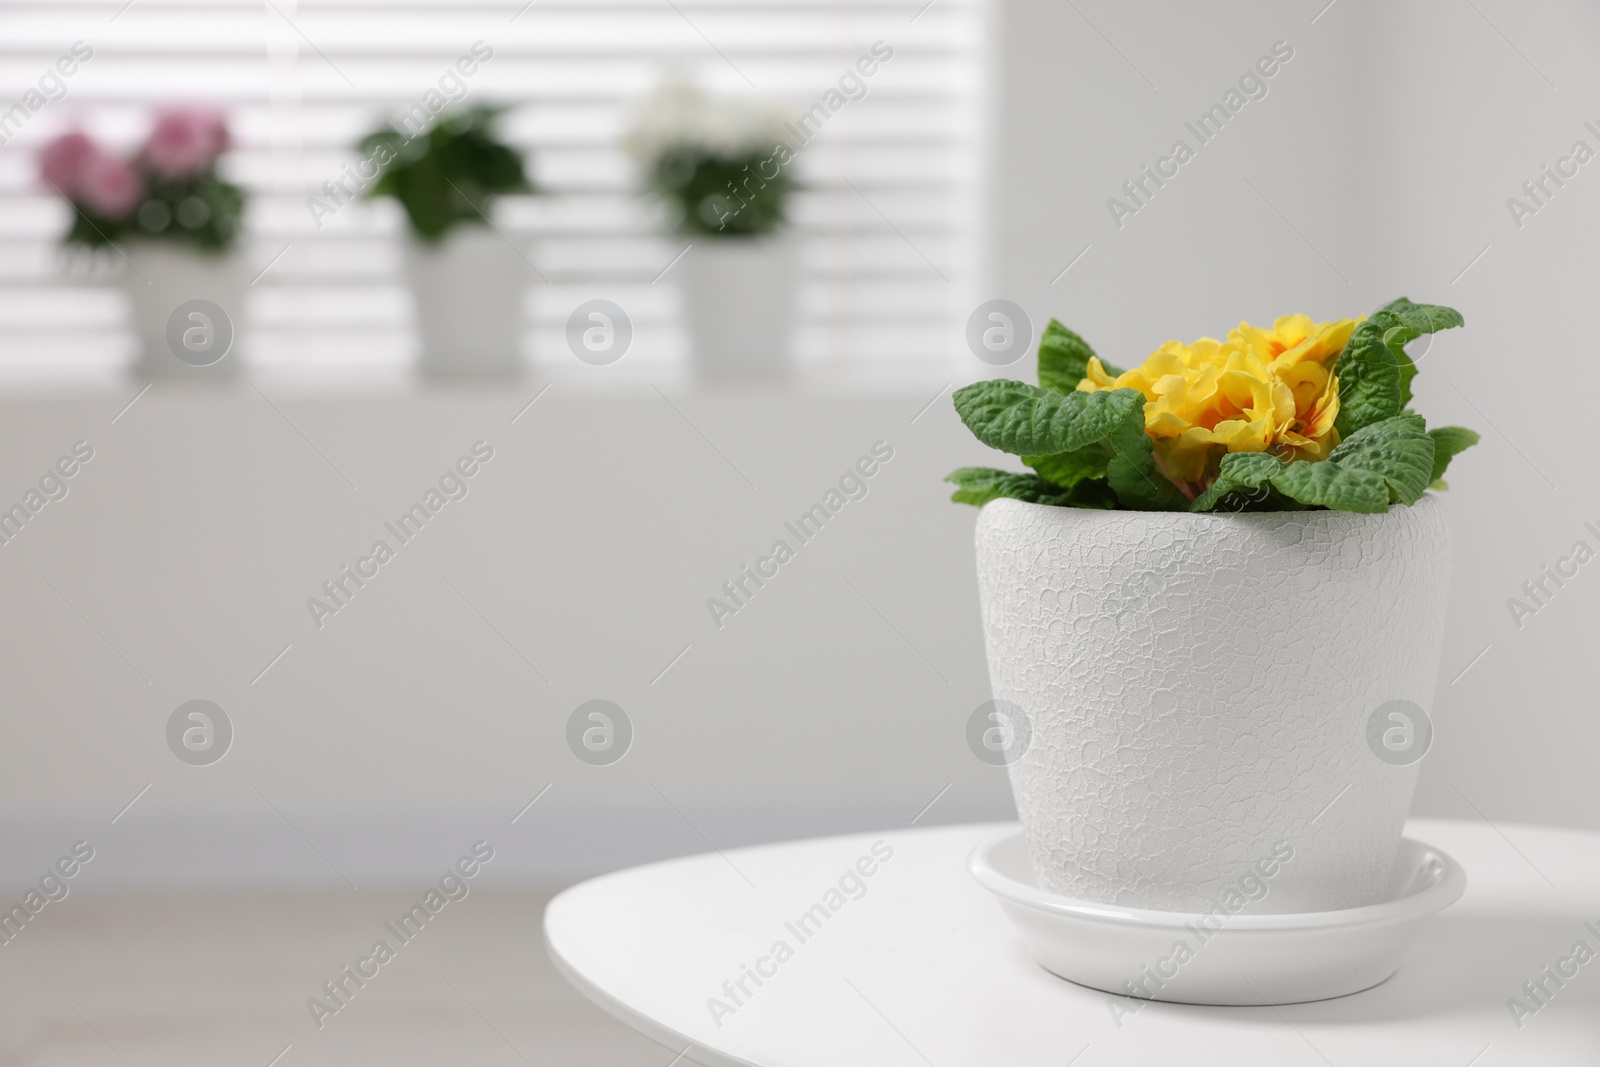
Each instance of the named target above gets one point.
<point>1261,389</point>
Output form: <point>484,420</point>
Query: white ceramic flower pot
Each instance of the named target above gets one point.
<point>467,293</point>
<point>158,277</point>
<point>738,298</point>
<point>1199,689</point>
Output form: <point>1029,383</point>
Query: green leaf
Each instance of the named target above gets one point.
<point>1063,358</point>
<point>1133,474</point>
<point>1370,378</point>
<point>1242,472</point>
<point>1385,462</point>
<point>1398,450</point>
<point>1412,321</point>
<point>1028,421</point>
<point>723,193</point>
<point>1448,442</point>
<point>1062,435</point>
<point>1374,371</point>
<point>1093,493</point>
<point>1422,318</point>
<point>1069,468</point>
<point>979,485</point>
<point>1331,486</point>
<point>448,174</point>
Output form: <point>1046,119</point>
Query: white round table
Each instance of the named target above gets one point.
<point>793,955</point>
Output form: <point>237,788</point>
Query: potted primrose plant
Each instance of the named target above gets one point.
<point>1214,605</point>
<point>719,165</point>
<point>467,277</point>
<point>167,223</point>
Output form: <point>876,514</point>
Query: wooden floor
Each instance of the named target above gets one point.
<point>173,981</point>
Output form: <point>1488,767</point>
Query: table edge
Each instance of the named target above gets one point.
<point>665,1036</point>
<point>706,1056</point>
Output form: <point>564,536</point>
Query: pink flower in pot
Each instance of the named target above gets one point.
<point>83,172</point>
<point>185,141</point>
<point>110,187</point>
<point>65,160</point>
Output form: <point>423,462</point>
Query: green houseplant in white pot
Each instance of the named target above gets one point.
<point>719,165</point>
<point>166,224</point>
<point>466,277</point>
<point>1222,568</point>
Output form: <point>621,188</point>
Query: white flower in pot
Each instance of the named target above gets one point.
<point>720,164</point>
<point>1218,586</point>
<point>166,224</point>
<point>466,277</point>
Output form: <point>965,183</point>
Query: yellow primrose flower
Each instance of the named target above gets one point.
<point>1260,390</point>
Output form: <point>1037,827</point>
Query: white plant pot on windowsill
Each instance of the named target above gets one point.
<point>466,292</point>
<point>1199,692</point>
<point>738,299</point>
<point>158,278</point>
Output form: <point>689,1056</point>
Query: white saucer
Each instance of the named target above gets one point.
<point>1250,959</point>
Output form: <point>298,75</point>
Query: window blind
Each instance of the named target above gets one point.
<point>885,217</point>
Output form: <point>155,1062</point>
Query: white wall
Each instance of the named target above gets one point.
<point>407,727</point>
<point>1389,144</point>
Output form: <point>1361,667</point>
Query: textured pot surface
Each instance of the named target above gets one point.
<point>1199,689</point>
<point>467,294</point>
<point>162,275</point>
<point>738,301</point>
